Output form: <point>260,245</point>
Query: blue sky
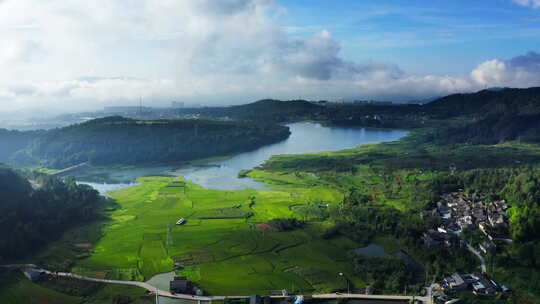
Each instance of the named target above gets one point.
<point>67,55</point>
<point>441,36</point>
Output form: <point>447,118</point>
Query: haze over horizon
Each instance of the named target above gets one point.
<point>59,56</point>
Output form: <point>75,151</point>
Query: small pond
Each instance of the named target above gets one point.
<point>372,250</point>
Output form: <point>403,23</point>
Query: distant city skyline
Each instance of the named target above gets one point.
<point>66,56</point>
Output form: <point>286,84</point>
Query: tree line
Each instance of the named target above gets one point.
<point>31,216</point>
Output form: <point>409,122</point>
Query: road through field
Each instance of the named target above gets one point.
<point>162,293</point>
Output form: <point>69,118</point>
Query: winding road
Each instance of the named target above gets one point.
<point>426,299</point>
<point>479,256</point>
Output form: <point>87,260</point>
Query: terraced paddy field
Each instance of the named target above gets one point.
<point>222,246</point>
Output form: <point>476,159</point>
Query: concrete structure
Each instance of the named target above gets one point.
<point>255,299</point>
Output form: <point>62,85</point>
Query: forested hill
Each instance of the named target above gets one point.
<point>117,140</point>
<point>484,117</point>
<point>496,116</point>
<point>266,110</point>
<point>30,218</point>
<point>276,110</point>
<point>12,141</point>
<point>486,103</point>
<point>494,129</point>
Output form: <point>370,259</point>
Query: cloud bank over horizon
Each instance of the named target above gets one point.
<point>69,55</point>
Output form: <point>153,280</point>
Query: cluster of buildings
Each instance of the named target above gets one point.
<point>479,284</point>
<point>462,212</point>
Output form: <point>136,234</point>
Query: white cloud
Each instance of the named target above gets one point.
<point>18,51</point>
<point>73,55</point>
<point>532,3</point>
<point>521,71</point>
<point>490,73</point>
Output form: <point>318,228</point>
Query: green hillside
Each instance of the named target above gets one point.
<point>36,215</point>
<point>117,140</point>
<point>494,116</point>
<point>486,103</point>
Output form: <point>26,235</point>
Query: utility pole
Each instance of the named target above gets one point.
<point>140,106</point>
<point>347,280</point>
<point>170,241</point>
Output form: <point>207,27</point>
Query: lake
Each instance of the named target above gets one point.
<point>306,137</point>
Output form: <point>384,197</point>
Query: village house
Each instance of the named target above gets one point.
<point>181,285</point>
<point>434,238</point>
<point>485,287</point>
<point>455,282</point>
<point>34,274</point>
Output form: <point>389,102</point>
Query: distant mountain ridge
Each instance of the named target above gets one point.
<point>265,110</point>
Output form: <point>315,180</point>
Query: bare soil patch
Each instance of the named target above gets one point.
<point>83,245</point>
<point>267,227</point>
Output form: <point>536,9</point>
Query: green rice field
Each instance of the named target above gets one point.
<point>221,247</point>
